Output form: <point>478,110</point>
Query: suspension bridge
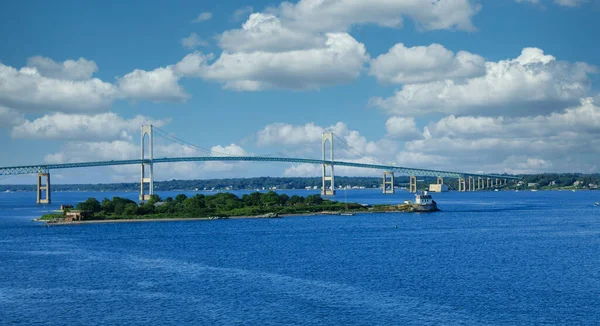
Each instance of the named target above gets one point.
<point>466,181</point>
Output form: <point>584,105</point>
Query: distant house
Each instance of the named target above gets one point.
<point>64,207</point>
<point>532,184</point>
<point>76,215</point>
<point>593,186</point>
<point>552,183</point>
<point>577,183</point>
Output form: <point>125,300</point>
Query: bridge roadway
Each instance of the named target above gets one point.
<point>45,168</point>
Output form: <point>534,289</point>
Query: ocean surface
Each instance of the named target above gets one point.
<point>488,258</point>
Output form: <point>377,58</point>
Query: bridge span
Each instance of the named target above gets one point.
<point>147,163</point>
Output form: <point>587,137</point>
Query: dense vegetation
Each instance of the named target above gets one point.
<point>218,205</point>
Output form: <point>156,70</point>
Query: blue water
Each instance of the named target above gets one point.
<point>489,258</point>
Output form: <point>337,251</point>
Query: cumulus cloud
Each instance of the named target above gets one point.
<point>265,32</point>
<point>28,90</point>
<point>402,127</point>
<point>530,84</point>
<point>348,144</point>
<point>339,15</point>
<point>105,126</point>
<point>81,69</point>
<point>202,17</point>
<point>10,117</point>
<point>305,45</point>
<point>561,142</point>
<point>193,41</point>
<point>287,134</point>
<point>419,64</point>
<point>339,60</point>
<point>160,84</point>
<point>48,86</point>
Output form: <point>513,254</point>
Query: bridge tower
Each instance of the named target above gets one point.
<point>325,190</point>
<point>440,180</point>
<point>412,185</point>
<point>462,186</point>
<point>43,188</point>
<point>146,130</point>
<point>388,182</point>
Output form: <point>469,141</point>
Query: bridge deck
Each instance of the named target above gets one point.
<point>44,168</point>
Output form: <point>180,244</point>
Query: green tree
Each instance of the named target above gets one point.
<point>180,198</point>
<point>154,199</point>
<point>108,206</point>
<point>314,199</point>
<point>130,209</point>
<point>271,198</point>
<point>90,205</point>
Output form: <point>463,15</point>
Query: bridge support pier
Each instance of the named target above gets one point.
<point>327,190</point>
<point>388,182</point>
<point>41,188</point>
<point>147,130</point>
<point>440,180</point>
<point>480,184</point>
<point>496,182</point>
<point>471,182</point>
<point>412,185</point>
<point>488,183</point>
<point>462,186</point>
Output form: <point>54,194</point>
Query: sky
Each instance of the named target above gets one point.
<point>481,86</point>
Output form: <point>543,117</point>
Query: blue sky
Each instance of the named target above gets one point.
<point>492,86</point>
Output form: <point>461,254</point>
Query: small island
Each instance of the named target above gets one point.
<point>218,206</point>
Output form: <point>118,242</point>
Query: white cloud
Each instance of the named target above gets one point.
<point>349,144</point>
<point>202,17</point>
<point>339,15</point>
<point>421,64</point>
<point>564,3</point>
<point>105,126</point>
<point>533,83</point>
<point>563,141</point>
<point>402,127</point>
<point>229,150</point>
<point>340,60</point>
<point>160,84</point>
<point>241,13</point>
<point>265,32</point>
<point>47,86</point>
<point>81,69</point>
<point>10,117</point>
<point>287,134</point>
<point>28,90</point>
<point>193,41</point>
<point>192,65</point>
